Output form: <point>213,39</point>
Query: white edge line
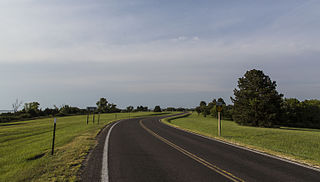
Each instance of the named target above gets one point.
<point>105,170</point>
<point>244,148</point>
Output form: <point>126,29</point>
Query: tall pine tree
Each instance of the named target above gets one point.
<point>257,102</point>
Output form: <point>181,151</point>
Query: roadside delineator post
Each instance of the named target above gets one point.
<point>54,135</point>
<point>219,109</point>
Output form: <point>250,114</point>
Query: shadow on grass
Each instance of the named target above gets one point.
<point>300,129</point>
<point>16,136</point>
<point>36,157</point>
<point>243,137</point>
<point>12,124</point>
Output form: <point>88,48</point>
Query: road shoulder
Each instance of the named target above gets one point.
<point>91,167</point>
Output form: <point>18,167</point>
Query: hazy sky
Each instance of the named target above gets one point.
<point>148,52</point>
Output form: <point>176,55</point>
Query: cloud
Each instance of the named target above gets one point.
<point>195,38</point>
<point>76,32</point>
<point>181,38</point>
<point>163,51</point>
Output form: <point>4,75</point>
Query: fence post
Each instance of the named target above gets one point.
<point>93,118</point>
<point>99,118</point>
<point>54,135</point>
<point>88,117</point>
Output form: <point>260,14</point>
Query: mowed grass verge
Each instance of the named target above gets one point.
<point>298,144</point>
<point>25,147</point>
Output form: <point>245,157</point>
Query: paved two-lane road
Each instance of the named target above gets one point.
<point>147,150</point>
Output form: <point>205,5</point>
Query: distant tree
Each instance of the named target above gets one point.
<point>206,110</point>
<point>214,102</point>
<point>112,108</point>
<point>32,108</point>
<point>16,105</point>
<point>291,112</point>
<point>141,108</point>
<point>171,109</point>
<point>203,107</point>
<point>257,102</point>
<point>227,112</point>
<point>181,109</point>
<point>300,114</point>
<point>213,111</point>
<point>49,111</point>
<point>210,106</point>
<point>130,108</point>
<point>102,105</point>
<point>221,101</point>
<point>203,104</point>
<point>65,110</point>
<point>157,109</point>
<point>311,116</point>
<point>198,110</point>
<point>68,110</point>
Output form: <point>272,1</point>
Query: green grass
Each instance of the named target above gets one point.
<point>25,147</point>
<point>297,144</point>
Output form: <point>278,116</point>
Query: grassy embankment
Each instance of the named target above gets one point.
<point>25,147</point>
<point>299,144</point>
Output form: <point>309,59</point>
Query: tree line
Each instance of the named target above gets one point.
<point>300,114</point>
<point>256,102</point>
<point>210,109</point>
<point>32,110</point>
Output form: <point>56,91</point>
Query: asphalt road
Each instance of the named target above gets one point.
<point>141,150</point>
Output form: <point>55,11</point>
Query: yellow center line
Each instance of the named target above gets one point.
<point>196,158</point>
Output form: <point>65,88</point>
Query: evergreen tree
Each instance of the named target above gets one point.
<point>257,102</point>
<point>157,109</point>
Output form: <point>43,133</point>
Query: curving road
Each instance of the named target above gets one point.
<point>138,150</point>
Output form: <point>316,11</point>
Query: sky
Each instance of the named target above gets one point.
<point>154,52</point>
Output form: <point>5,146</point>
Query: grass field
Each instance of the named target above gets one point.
<point>298,144</point>
<point>25,147</point>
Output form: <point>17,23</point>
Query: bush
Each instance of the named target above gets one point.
<point>157,109</point>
